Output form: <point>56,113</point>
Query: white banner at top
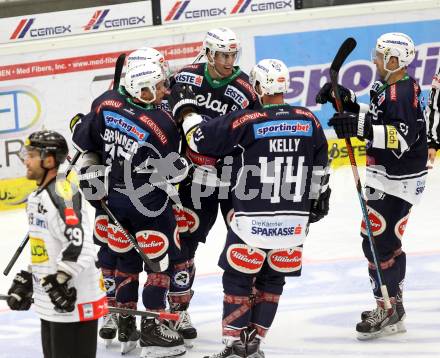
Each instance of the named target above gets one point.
<point>76,22</point>
<point>194,10</point>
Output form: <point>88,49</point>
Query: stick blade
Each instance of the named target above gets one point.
<point>118,70</point>
<point>344,51</point>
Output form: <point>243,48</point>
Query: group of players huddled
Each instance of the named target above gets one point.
<point>169,149</point>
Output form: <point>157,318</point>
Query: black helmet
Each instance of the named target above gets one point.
<point>48,142</point>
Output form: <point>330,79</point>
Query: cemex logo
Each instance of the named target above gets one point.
<point>179,9</point>
<point>24,28</point>
<point>99,16</point>
<point>255,6</point>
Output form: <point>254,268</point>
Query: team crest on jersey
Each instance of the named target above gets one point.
<point>289,128</point>
<point>100,229</point>
<point>245,259</point>
<point>38,251</point>
<point>237,96</point>
<point>189,78</point>
<point>285,260</point>
<point>117,241</point>
<point>377,222</point>
<point>126,126</point>
<point>400,227</point>
<point>192,220</point>
<point>153,243</point>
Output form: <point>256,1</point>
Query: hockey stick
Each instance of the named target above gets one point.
<point>346,48</point>
<point>16,255</point>
<point>158,266</point>
<point>125,311</point>
<point>118,70</point>
<point>160,315</point>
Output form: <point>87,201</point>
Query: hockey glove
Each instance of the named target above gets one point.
<point>348,98</point>
<point>62,297</point>
<point>348,125</point>
<point>20,293</point>
<point>93,179</point>
<point>320,207</point>
<point>75,120</point>
<point>182,100</point>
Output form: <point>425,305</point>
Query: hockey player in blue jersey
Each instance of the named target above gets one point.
<point>128,134</point>
<point>395,132</point>
<point>278,156</point>
<point>220,87</point>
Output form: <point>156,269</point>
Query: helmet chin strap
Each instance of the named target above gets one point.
<point>150,101</point>
<point>390,72</point>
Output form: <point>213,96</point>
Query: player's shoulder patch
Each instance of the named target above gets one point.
<point>66,198</point>
<point>247,117</point>
<point>242,82</point>
<point>109,100</point>
<point>307,113</point>
<point>154,128</point>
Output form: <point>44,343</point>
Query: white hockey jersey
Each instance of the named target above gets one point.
<point>61,239</point>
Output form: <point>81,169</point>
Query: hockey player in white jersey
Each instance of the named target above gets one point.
<point>67,288</point>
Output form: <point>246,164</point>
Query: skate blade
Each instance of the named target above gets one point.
<point>162,352</point>
<point>127,347</point>
<point>398,327</point>
<point>108,342</point>
<point>189,343</point>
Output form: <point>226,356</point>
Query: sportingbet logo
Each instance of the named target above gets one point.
<point>25,27</point>
<point>123,124</point>
<point>291,128</point>
<point>99,18</point>
<point>258,6</point>
<point>180,11</point>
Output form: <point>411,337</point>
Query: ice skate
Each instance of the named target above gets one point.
<point>157,340</point>
<point>380,323</point>
<point>128,335</point>
<point>237,349</point>
<point>399,308</point>
<point>183,326</point>
<point>109,328</point>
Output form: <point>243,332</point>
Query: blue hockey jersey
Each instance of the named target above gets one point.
<point>278,156</point>
<point>129,136</point>
<point>397,155</point>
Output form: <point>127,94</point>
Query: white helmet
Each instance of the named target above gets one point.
<point>146,75</point>
<point>272,76</point>
<point>148,54</point>
<point>221,39</point>
<point>398,45</point>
